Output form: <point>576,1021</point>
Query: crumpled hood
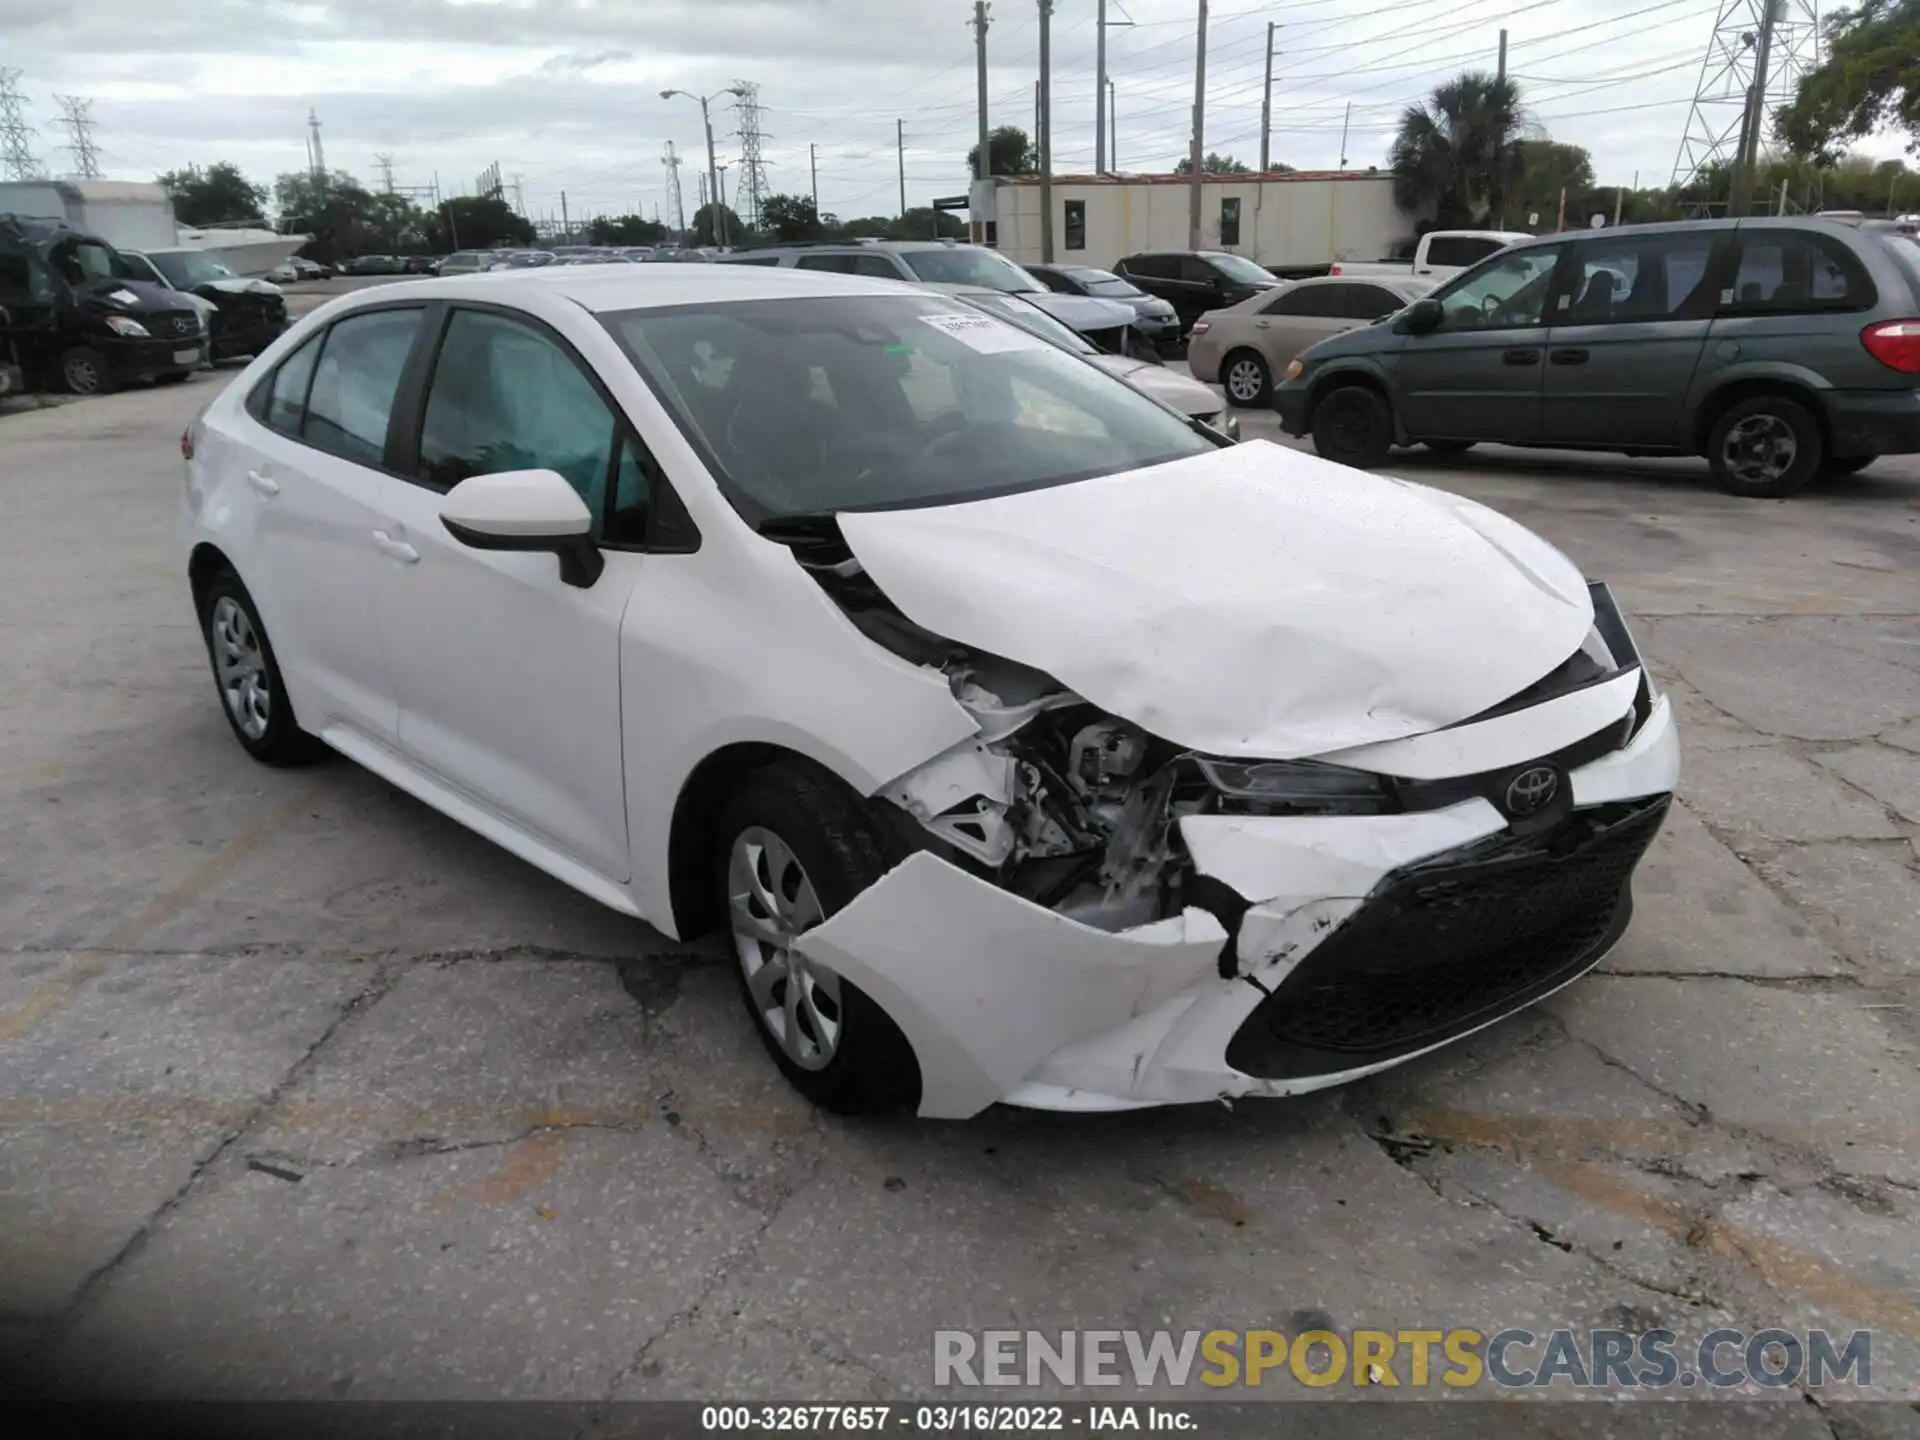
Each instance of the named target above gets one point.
<point>1253,601</point>
<point>240,287</point>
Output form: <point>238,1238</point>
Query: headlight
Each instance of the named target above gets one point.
<point>1295,370</point>
<point>1298,785</point>
<point>1227,425</point>
<point>124,325</point>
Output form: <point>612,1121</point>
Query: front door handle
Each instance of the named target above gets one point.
<point>265,484</point>
<point>1568,357</point>
<point>1520,357</point>
<point>395,549</point>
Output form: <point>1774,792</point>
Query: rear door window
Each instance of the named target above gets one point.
<point>1461,250</point>
<point>1196,271</point>
<point>1787,272</point>
<point>286,403</point>
<point>1369,302</point>
<point>1320,301</point>
<point>1154,267</point>
<point>1629,278</point>
<point>838,264</point>
<point>351,399</point>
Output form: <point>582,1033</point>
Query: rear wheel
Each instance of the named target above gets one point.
<point>1352,426</point>
<point>1767,447</point>
<point>252,695</point>
<point>795,847</point>
<point>1246,379</point>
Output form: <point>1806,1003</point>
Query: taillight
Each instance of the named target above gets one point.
<point>1334,269</point>
<point>1895,344</point>
<point>186,443</point>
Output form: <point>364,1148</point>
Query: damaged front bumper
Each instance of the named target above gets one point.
<point>1365,940</point>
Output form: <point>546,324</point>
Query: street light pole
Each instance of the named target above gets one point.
<point>713,170</point>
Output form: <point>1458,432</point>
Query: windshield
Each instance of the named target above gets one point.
<point>971,265</point>
<point>82,261</point>
<point>811,406</point>
<point>1105,282</point>
<point>1238,267</point>
<point>186,268</point>
<point>1016,311</point>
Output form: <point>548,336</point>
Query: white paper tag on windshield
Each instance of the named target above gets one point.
<point>984,333</point>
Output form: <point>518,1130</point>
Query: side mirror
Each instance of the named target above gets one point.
<point>1423,315</point>
<point>526,510</point>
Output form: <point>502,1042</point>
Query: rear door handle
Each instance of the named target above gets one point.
<point>1520,357</point>
<point>265,484</point>
<point>1568,357</point>
<point>395,549</point>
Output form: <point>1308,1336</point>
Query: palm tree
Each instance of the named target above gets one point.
<point>1456,153</point>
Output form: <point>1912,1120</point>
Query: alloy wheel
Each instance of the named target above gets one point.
<point>1759,449</point>
<point>770,902</point>
<point>240,667</point>
<point>81,374</point>
<point>1244,379</point>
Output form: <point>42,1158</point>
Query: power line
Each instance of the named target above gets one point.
<point>77,120</point>
<point>17,160</point>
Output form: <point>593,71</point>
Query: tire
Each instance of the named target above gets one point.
<point>1353,426</point>
<point>246,677</point>
<point>793,830</point>
<point>1248,381</point>
<point>1839,465</point>
<point>1765,448</point>
<point>83,370</point>
<point>1449,447</point>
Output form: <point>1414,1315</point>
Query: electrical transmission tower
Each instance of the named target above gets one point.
<point>673,162</point>
<point>384,164</point>
<point>78,123</point>
<point>17,160</point>
<point>1755,58</point>
<point>753,179</point>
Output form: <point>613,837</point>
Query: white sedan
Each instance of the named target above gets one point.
<point>1031,742</point>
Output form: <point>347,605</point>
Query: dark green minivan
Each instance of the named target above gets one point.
<point>1781,349</point>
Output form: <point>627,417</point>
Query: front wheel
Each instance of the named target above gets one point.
<point>1766,448</point>
<point>796,847</point>
<point>1352,426</point>
<point>1246,379</point>
<point>83,370</point>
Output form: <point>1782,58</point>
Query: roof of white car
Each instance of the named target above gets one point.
<point>621,286</point>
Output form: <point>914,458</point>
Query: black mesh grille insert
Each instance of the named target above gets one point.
<point>1452,942</point>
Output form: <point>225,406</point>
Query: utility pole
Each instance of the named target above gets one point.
<point>1046,132</point>
<point>1753,120</point>
<point>1113,126</point>
<point>1500,78</point>
<point>1266,104</point>
<point>384,164</point>
<point>319,156</point>
<point>983,161</point>
<point>1196,157</point>
<point>813,176</point>
<point>1501,73</point>
<point>1100,90</point>
<point>1344,119</point>
<point>566,225</point>
<point>900,151</point>
<point>442,208</point>
<point>713,180</point>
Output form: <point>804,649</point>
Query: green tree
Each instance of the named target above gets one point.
<point>476,222</point>
<point>625,230</point>
<point>1214,164</point>
<point>1009,152</point>
<point>879,225</point>
<point>207,197</point>
<point>1549,169</point>
<point>700,230</point>
<point>923,222</point>
<point>335,209</point>
<point>1457,153</point>
<point>791,217</point>
<point>1869,81</point>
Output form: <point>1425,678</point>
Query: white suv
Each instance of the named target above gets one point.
<point>1031,742</point>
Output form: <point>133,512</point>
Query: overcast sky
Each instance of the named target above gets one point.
<point>565,93</point>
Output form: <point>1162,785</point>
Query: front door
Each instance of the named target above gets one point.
<point>1479,374</point>
<point>509,679</point>
<point>29,296</point>
<point>1630,315</point>
<point>314,469</point>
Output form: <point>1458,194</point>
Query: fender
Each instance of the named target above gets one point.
<point>1350,367</point>
<point>1709,385</point>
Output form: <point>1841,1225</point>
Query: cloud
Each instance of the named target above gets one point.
<point>572,64</point>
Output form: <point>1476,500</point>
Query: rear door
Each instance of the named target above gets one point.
<point>1296,317</point>
<point>508,678</point>
<point>1630,317</point>
<point>315,462</point>
<point>1479,374</point>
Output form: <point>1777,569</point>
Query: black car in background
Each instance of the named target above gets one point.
<point>247,315</point>
<point>1196,281</point>
<point>81,316</point>
<point>1157,323</point>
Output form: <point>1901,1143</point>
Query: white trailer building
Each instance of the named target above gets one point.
<point>1288,222</point>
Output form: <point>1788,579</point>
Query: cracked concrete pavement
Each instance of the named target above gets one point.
<point>305,1091</point>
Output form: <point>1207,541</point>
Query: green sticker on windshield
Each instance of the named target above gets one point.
<point>899,347</point>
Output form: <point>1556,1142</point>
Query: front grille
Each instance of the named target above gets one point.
<point>1448,944</point>
<point>179,324</point>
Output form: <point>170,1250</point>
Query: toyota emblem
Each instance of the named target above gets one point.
<point>1531,789</point>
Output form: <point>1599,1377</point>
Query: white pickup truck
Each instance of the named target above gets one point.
<point>1438,255</point>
